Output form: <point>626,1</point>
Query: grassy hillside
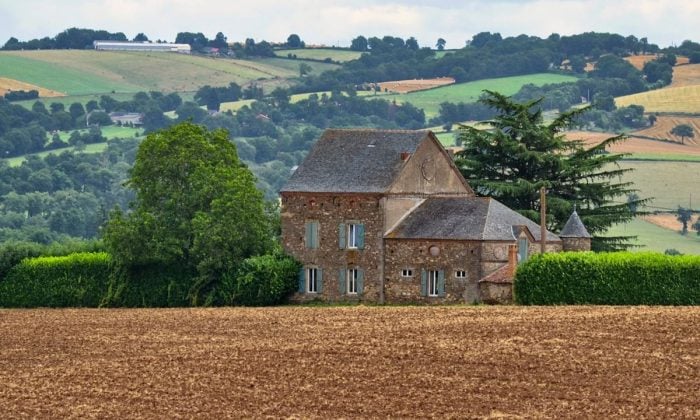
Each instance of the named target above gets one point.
<point>671,184</point>
<point>654,238</point>
<point>672,99</point>
<point>335,54</point>
<point>83,72</point>
<point>430,100</point>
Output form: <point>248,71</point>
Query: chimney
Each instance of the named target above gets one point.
<point>512,260</point>
<point>405,156</point>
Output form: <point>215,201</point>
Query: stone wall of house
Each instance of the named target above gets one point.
<point>498,293</point>
<point>576,244</point>
<point>416,255</point>
<point>330,211</point>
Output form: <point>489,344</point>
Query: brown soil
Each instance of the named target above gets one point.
<point>348,362</point>
<point>7,85</point>
<point>405,86</point>
<point>637,145</point>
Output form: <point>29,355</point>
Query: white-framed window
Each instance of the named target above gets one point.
<point>407,272</point>
<point>460,274</point>
<point>352,277</point>
<point>312,280</point>
<point>353,236</point>
<point>433,289</point>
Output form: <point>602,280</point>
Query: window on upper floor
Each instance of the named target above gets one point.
<point>351,236</point>
<point>407,272</point>
<point>311,238</point>
<point>460,274</point>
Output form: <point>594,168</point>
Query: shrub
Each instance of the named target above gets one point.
<point>608,279</point>
<point>13,252</point>
<point>70,281</point>
<point>261,280</point>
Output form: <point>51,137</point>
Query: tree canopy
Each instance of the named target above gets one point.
<point>196,207</point>
<point>519,154</point>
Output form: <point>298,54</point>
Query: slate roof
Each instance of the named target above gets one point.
<point>574,228</point>
<point>354,160</point>
<point>465,218</point>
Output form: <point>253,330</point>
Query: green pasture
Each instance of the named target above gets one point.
<point>90,148</point>
<point>670,184</point>
<point>291,67</point>
<point>655,238</point>
<point>430,100</point>
<point>337,55</point>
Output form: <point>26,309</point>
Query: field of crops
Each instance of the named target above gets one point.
<point>9,85</point>
<point>341,362</point>
<point>642,148</point>
<point>430,100</point>
<point>671,99</point>
<point>334,54</point>
<point>638,61</point>
<point>414,85</point>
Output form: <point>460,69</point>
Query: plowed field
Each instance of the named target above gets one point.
<point>459,362</point>
<point>665,123</point>
<point>638,145</point>
<point>405,86</point>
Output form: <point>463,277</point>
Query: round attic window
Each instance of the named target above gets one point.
<point>434,251</point>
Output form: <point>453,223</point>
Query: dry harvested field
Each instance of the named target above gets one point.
<point>667,221</point>
<point>665,123</point>
<point>639,61</point>
<point>465,362</point>
<point>637,145</point>
<point>7,85</point>
<point>688,75</point>
<point>405,86</point>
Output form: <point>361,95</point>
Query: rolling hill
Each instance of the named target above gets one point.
<point>683,95</point>
<point>333,54</point>
<point>89,72</point>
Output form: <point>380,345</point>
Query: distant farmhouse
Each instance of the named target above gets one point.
<point>385,216</point>
<point>141,46</point>
<point>126,118</point>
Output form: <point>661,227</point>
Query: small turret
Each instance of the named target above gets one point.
<point>574,236</point>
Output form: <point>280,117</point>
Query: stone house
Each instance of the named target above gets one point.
<point>385,216</point>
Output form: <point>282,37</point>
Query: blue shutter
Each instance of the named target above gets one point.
<point>308,235</point>
<point>314,235</point>
<point>319,280</point>
<point>341,281</point>
<point>302,280</point>
<point>441,283</point>
<point>423,282</point>
<point>360,232</point>
<point>522,249</point>
<point>360,281</point>
<point>341,236</point>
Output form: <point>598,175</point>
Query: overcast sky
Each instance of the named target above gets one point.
<point>336,22</point>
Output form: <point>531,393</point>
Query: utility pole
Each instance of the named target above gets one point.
<point>543,220</point>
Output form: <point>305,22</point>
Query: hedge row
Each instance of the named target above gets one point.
<point>621,278</point>
<point>76,280</point>
<point>92,280</point>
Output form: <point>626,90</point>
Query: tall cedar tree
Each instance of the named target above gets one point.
<point>520,153</point>
<point>196,207</point>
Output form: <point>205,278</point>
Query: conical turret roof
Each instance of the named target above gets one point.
<point>574,228</point>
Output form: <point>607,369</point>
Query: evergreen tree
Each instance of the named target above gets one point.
<point>520,154</point>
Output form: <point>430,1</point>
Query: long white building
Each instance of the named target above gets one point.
<point>141,46</point>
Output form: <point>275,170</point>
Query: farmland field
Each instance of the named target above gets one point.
<point>430,100</point>
<point>652,237</point>
<point>665,123</point>
<point>342,362</point>
<point>414,85</point>
<point>670,99</point>
<point>643,148</point>
<point>638,61</point>
<point>83,72</point>
<point>338,55</point>
<point>671,184</point>
<point>8,85</point>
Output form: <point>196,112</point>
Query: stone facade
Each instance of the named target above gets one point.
<point>330,211</point>
<point>576,244</point>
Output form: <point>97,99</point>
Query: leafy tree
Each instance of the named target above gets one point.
<point>219,41</point>
<point>440,44</point>
<point>357,44</point>
<point>294,41</point>
<point>521,154</point>
<point>304,69</point>
<point>684,215</point>
<point>140,37</point>
<point>683,131</point>
<point>196,207</point>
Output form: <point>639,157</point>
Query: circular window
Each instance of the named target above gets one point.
<point>434,251</point>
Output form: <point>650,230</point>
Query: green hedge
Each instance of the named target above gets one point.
<point>150,286</point>
<point>76,280</point>
<point>621,278</point>
<point>262,280</point>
